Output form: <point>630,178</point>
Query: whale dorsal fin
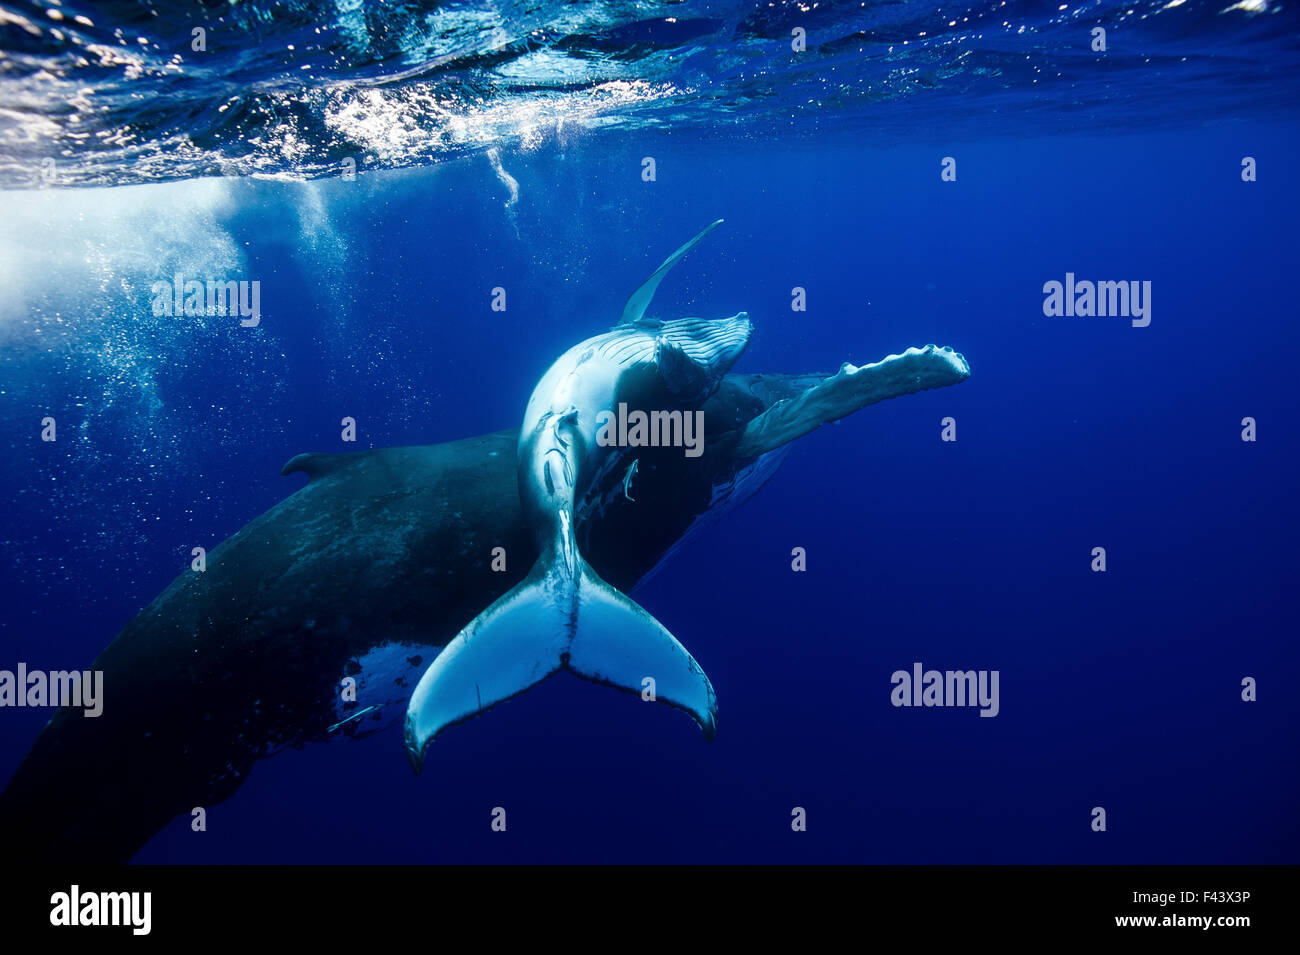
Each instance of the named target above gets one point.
<point>634,310</point>
<point>317,465</point>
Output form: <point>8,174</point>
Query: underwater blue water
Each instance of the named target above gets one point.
<point>1119,689</point>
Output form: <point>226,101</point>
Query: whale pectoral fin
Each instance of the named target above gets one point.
<point>619,644</point>
<point>847,391</point>
<point>634,310</point>
<point>529,634</point>
<point>513,645</point>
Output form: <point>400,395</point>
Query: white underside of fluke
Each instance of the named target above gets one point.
<point>547,623</point>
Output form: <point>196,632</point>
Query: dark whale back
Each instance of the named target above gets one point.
<point>228,666</point>
<point>386,551</point>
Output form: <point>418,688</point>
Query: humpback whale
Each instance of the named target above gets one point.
<point>563,616</point>
<point>366,571</point>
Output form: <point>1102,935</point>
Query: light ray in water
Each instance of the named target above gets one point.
<point>355,716</point>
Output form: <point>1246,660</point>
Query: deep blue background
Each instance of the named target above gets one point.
<point>1119,690</point>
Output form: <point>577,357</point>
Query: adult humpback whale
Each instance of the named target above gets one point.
<point>365,572</point>
<point>563,616</point>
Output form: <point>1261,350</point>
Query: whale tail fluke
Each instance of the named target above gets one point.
<point>618,643</point>
<point>512,645</point>
<point>550,622</point>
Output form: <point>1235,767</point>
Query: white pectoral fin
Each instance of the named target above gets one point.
<point>513,645</point>
<point>639,301</point>
<point>849,390</point>
<point>618,643</point>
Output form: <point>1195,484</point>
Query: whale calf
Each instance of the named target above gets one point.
<point>563,616</point>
